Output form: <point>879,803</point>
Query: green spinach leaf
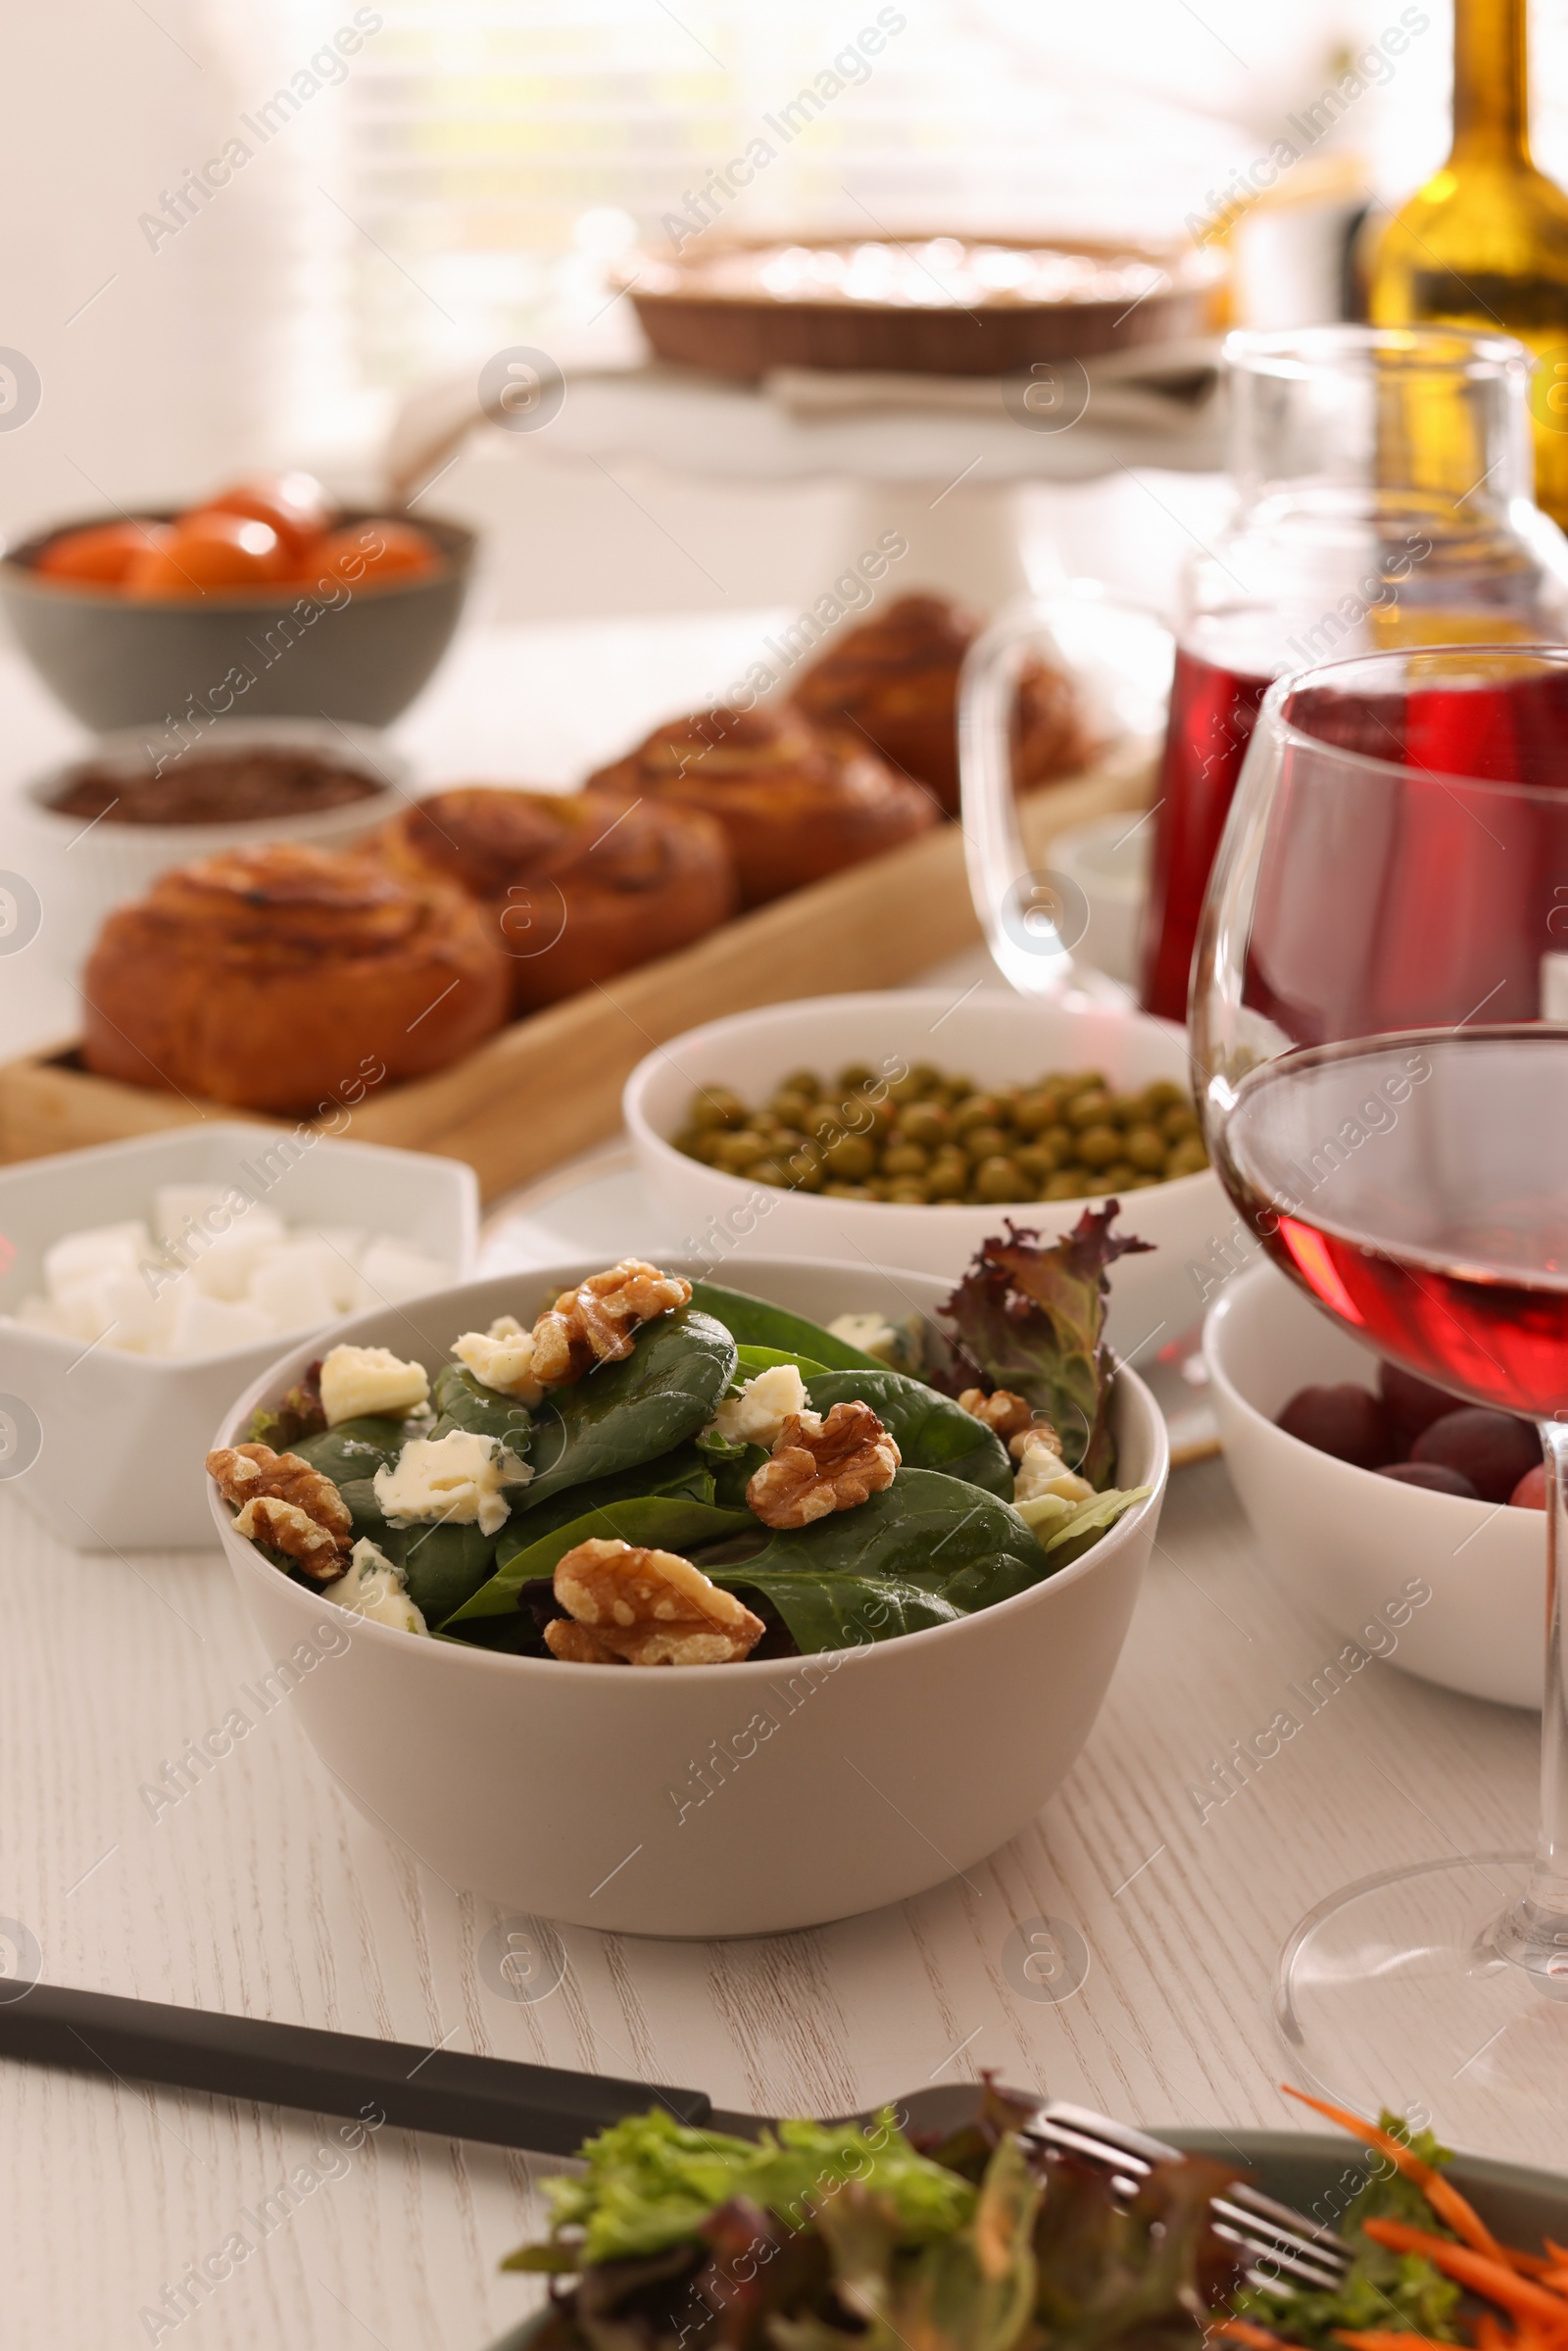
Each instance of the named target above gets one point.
<point>664,1522</point>
<point>927,1549</point>
<point>756,1323</point>
<point>630,1412</point>
<point>444,1562</point>
<point>931,1431</point>
<point>463,1402</point>
<point>354,1450</point>
<point>752,1360</point>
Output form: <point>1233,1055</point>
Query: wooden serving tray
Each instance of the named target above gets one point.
<point>550,1084</point>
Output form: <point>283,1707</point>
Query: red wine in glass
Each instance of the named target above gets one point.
<point>1415,1185</point>
<point>1515,731</point>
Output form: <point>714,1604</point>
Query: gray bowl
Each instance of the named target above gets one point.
<point>118,661</point>
<point>1319,2176</point>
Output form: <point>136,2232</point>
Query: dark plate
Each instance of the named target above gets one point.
<point>116,662</point>
<point>1319,2176</point>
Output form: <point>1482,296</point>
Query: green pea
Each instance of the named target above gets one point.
<point>985,1143</point>
<point>1163,1096</point>
<point>1038,1160</point>
<point>1099,1146</point>
<point>850,1158</point>
<point>847,1191</point>
<point>856,1074</point>
<point>1118,1175</point>
<point>715,1106</point>
<point>792,1107</point>
<point>908,1192</point>
<point>998,1179</point>
<point>925,1123</point>
<point>1036,1112</point>
<point>976,1111</point>
<point>769,1171</point>
<point>1188,1158</point>
<point>739,1152</point>
<point>1090,1109</point>
<point>948,1177</point>
<point>1180,1121</point>
<point>903,1160</point>
<point>1068,1183</point>
<point>1062,1140</point>
<point>1145,1147</point>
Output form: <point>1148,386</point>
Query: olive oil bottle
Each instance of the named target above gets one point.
<point>1484,244</point>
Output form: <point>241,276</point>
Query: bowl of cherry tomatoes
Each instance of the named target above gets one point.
<point>262,600</point>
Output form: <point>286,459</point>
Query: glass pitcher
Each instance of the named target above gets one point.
<point>1383,480</point>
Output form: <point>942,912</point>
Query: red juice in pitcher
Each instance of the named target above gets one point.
<point>1214,709</point>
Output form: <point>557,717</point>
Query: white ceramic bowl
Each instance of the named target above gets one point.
<point>838,1783</point>
<point>81,871</point>
<point>1109,862</point>
<point>107,1447</point>
<point>1351,1544</point>
<point>994,1036</point>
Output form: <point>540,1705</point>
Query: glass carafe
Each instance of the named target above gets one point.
<point>1383,479</point>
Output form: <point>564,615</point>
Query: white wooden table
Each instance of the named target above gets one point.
<point>261,1893</point>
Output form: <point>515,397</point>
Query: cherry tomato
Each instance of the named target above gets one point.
<point>294,505</point>
<point>100,556</point>
<point>377,554</point>
<point>208,551</point>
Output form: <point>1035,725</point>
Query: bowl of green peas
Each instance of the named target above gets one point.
<point>905,1126</point>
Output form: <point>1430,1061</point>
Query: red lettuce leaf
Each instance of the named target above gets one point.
<point>1031,1319</point>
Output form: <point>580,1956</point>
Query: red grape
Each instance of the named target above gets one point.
<point>1493,1449</point>
<point>1346,1421</point>
<point>1411,1404</point>
<point>1433,1476</point>
<point>1531,1491</point>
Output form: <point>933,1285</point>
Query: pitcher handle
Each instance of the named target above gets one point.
<point>1031,918</point>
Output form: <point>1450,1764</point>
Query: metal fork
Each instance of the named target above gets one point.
<point>1286,2249</point>
<point>550,2111</point>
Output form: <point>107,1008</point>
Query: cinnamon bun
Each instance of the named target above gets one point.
<point>574,887</point>
<point>274,978</point>
<point>795,801</point>
<point>894,682</point>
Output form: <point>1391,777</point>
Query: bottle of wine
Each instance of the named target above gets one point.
<point>1485,243</point>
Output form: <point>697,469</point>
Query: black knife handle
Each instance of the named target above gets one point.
<point>506,2104</point>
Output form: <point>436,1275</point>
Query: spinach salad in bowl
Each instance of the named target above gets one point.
<point>661,1472</point>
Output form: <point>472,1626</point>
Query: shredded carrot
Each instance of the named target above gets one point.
<point>1443,2196</point>
<point>1483,2273</point>
<point>1243,2331</point>
<point>1388,2338</point>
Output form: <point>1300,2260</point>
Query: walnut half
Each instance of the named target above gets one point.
<point>633,1606</point>
<point>820,1466</point>
<point>1012,1418</point>
<point>598,1321</point>
<point>285,1504</point>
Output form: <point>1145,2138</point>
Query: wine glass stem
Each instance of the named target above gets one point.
<point>1535,1931</point>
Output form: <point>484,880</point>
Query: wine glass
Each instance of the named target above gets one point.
<point>1380,1025</point>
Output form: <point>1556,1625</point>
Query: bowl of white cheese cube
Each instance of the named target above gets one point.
<point>143,1285</point>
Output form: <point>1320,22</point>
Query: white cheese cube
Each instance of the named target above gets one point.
<point>394,1270</point>
<point>340,1247</point>
<point>756,1416</point>
<point>222,1265</point>
<point>176,1204</point>
<point>456,1480</point>
<point>289,1285</point>
<point>502,1358</point>
<point>208,1325</point>
<point>97,1248</point>
<point>357,1380</point>
<point>377,1588</point>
